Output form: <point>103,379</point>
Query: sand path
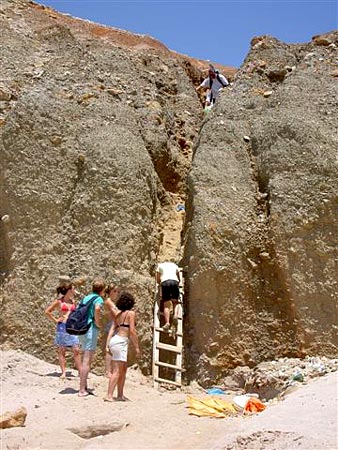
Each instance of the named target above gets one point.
<point>306,419</point>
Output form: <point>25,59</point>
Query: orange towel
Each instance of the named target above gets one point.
<point>254,405</point>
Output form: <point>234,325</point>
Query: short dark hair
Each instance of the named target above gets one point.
<point>125,301</point>
<point>98,285</point>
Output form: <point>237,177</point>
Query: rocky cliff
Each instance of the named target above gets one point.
<point>97,128</point>
<point>261,237</point>
<point>103,135</point>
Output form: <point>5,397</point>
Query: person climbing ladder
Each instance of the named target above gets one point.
<point>168,277</point>
<point>167,364</point>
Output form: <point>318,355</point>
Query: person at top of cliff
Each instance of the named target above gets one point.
<point>214,83</point>
<point>168,277</point>
<point>64,304</point>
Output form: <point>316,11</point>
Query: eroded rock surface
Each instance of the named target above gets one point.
<point>98,129</point>
<point>261,248</point>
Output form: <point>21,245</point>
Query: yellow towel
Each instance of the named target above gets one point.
<point>210,406</point>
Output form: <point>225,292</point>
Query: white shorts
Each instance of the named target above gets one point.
<point>118,347</point>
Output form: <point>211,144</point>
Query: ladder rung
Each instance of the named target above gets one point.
<point>170,348</point>
<point>177,334</point>
<point>162,380</point>
<point>170,366</point>
<point>166,331</point>
<point>162,315</point>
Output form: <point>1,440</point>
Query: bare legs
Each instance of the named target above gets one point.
<point>177,309</point>
<point>108,364</point>
<point>84,371</point>
<point>121,382</point>
<point>117,378</point>
<point>62,361</point>
<point>167,307</point>
<point>77,358</point>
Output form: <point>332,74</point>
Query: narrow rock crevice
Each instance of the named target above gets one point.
<point>259,179</point>
<point>5,252</point>
<point>5,225</point>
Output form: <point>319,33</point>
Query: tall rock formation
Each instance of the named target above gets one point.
<point>101,133</point>
<point>261,244</point>
<point>97,127</point>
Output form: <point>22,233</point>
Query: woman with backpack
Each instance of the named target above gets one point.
<point>64,304</point>
<point>119,334</point>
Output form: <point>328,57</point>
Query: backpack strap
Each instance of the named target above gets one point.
<point>91,301</point>
<point>219,79</point>
<point>210,85</point>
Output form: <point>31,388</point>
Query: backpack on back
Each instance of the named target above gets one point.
<point>77,322</point>
<point>218,78</point>
<point>212,99</point>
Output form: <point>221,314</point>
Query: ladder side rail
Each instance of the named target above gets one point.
<point>179,336</point>
<point>176,348</point>
<point>156,336</point>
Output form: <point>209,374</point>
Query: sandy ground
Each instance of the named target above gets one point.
<point>306,419</point>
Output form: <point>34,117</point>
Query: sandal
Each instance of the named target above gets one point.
<point>84,395</point>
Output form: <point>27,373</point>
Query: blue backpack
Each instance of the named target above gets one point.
<point>77,322</point>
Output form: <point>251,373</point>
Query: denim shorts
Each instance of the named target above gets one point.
<point>88,341</point>
<point>63,339</point>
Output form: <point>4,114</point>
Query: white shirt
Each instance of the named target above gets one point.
<point>216,85</point>
<point>168,271</point>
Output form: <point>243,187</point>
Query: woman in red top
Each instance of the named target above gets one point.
<point>64,304</point>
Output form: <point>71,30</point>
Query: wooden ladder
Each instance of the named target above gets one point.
<point>174,348</point>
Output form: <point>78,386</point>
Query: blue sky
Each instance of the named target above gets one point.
<point>219,31</point>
